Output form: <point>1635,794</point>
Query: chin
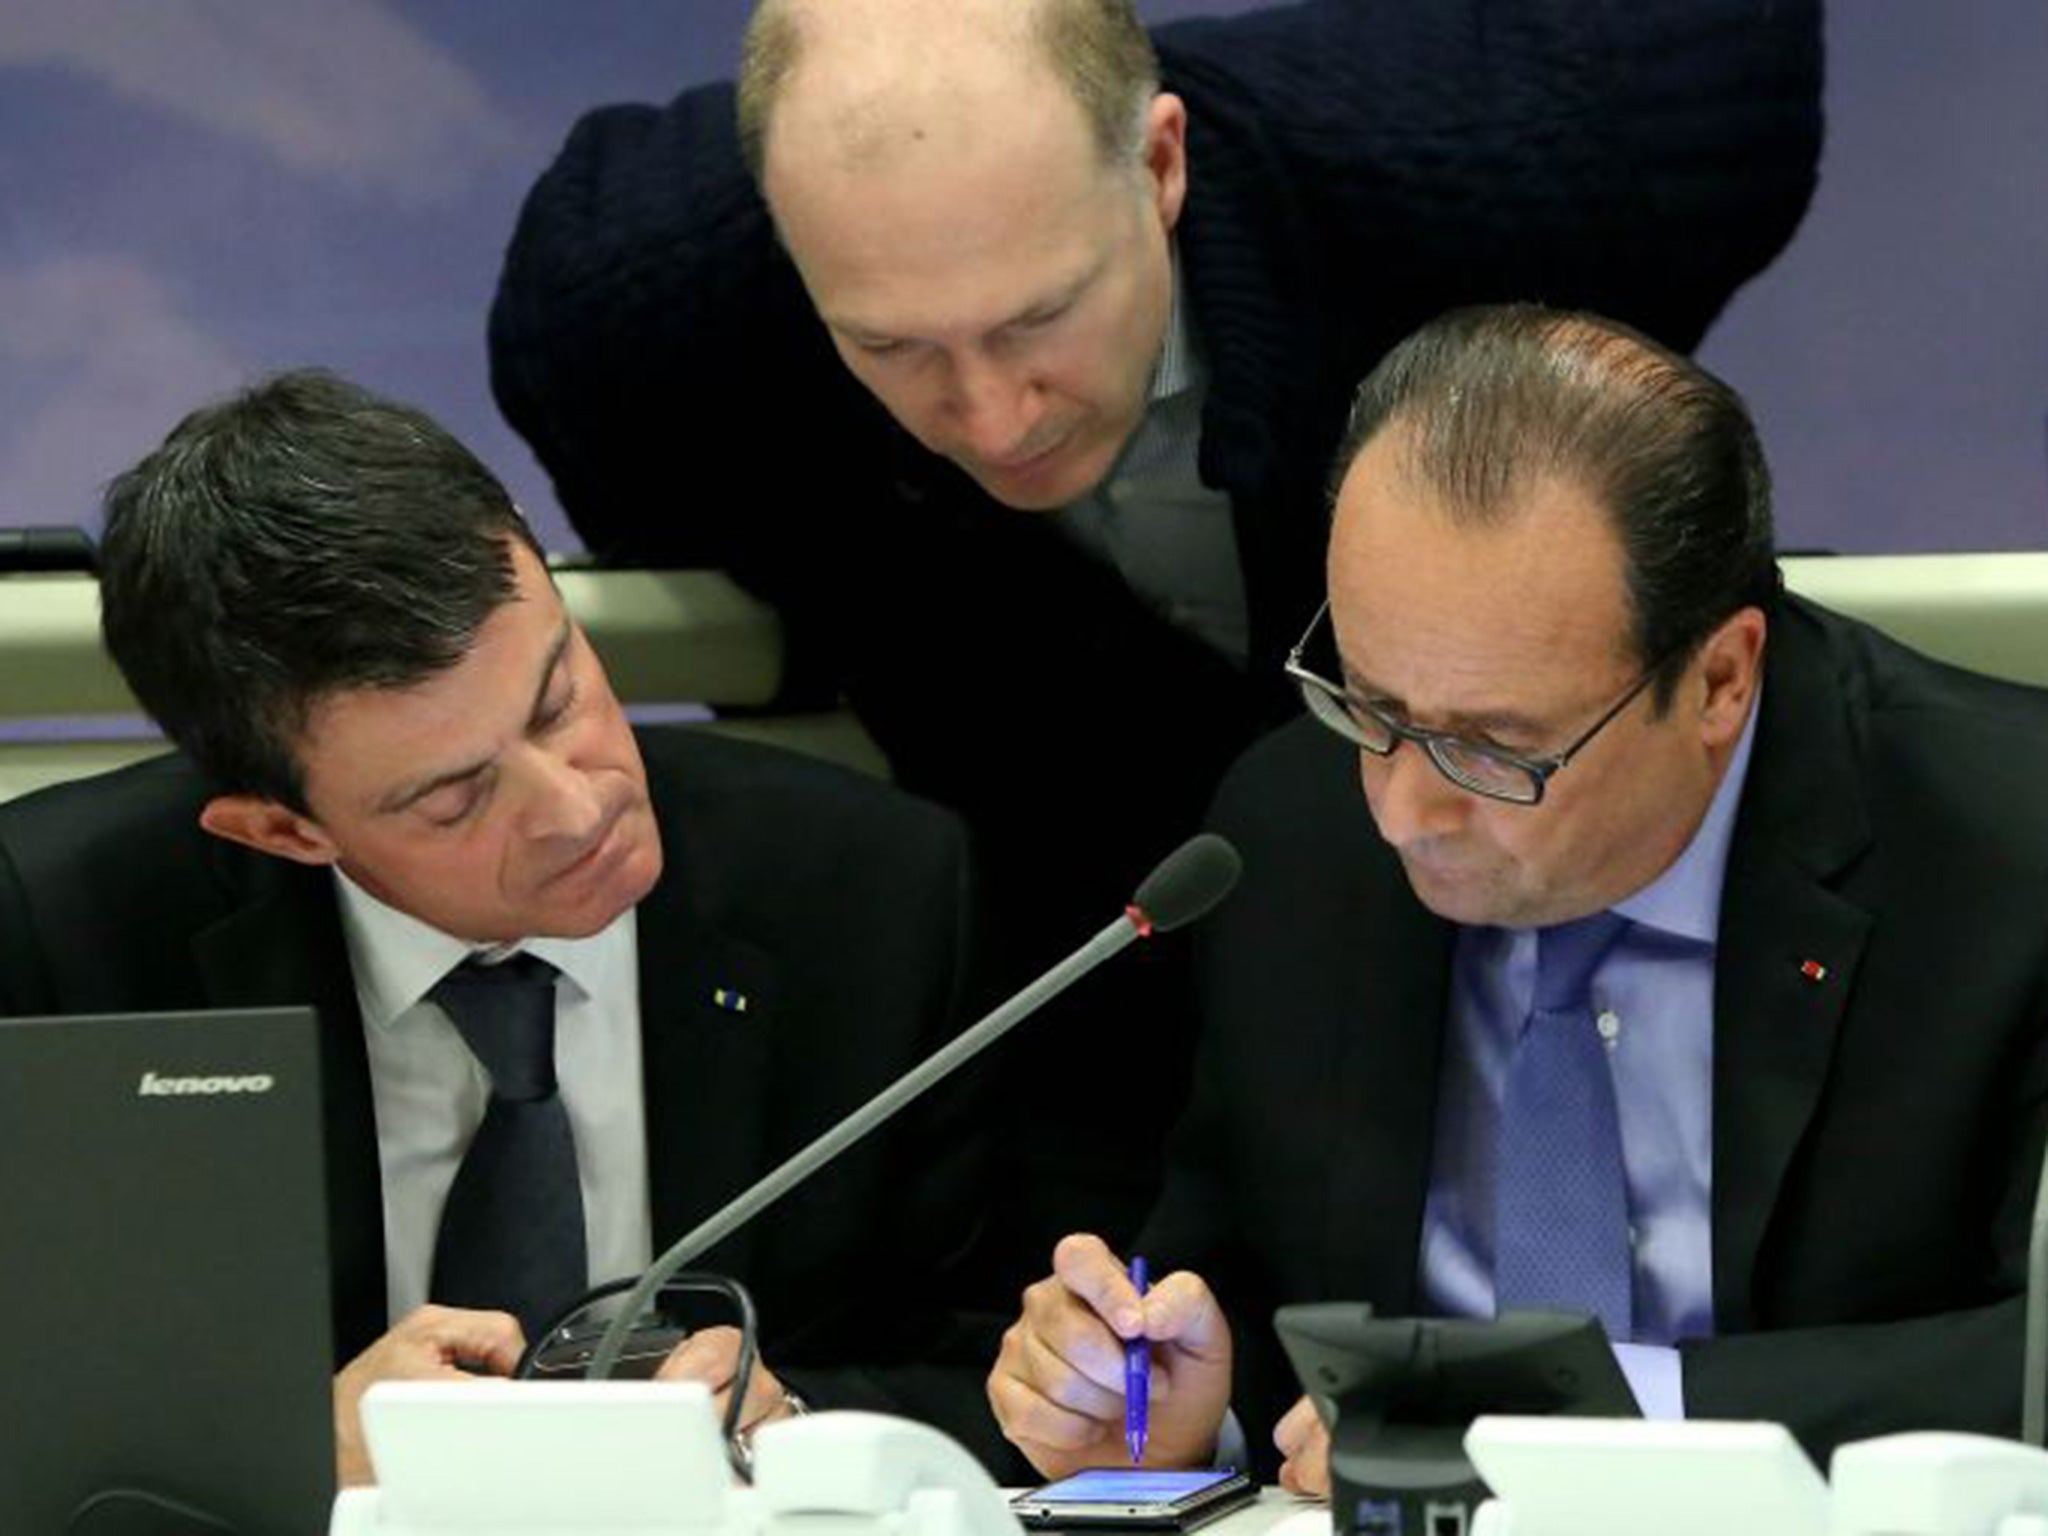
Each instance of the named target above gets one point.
<point>1032,493</point>
<point>1071,473</point>
<point>573,914</point>
<point>1019,501</point>
<point>1470,900</point>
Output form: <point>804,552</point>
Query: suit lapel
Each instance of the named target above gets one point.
<point>708,1002</point>
<point>1789,947</point>
<point>1388,1000</point>
<point>284,946</point>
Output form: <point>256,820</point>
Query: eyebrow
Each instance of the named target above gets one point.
<point>1512,721</point>
<point>407,796</point>
<point>1051,303</point>
<point>1059,299</point>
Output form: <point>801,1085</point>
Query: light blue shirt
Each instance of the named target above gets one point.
<point>1653,999</point>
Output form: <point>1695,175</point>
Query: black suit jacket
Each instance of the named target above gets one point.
<point>1355,166</point>
<point>837,905</point>
<point>1877,1132</point>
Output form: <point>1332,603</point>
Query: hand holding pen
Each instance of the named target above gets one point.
<point>1064,1387</point>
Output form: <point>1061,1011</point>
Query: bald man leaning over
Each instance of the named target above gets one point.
<point>1621,935</point>
<point>1019,402</point>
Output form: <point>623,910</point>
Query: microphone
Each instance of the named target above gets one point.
<point>1187,884</point>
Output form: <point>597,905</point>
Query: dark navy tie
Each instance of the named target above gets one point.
<point>511,1234</point>
<point>1561,1234</point>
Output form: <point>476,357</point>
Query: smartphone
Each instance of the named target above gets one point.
<point>567,1353</point>
<point>1136,1498</point>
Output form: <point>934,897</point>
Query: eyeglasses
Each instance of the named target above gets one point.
<point>1491,771</point>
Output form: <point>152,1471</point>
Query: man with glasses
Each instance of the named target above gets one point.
<point>1011,344</point>
<point>1683,965</point>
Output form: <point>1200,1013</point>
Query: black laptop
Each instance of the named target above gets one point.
<point>165,1334</point>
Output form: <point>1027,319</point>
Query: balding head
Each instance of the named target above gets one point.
<point>981,209</point>
<point>868,77</point>
<point>1490,403</point>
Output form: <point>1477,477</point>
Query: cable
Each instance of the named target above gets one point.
<point>698,1282</point>
<point>138,1509</point>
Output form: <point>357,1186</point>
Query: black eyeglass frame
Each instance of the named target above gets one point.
<point>1334,707</point>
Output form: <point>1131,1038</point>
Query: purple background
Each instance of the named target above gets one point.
<point>195,191</point>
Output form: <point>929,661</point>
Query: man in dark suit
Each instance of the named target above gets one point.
<point>1778,1124</point>
<point>1091,315</point>
<point>403,768</point>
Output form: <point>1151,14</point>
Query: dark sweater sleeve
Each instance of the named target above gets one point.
<point>1640,161</point>
<point>654,346</point>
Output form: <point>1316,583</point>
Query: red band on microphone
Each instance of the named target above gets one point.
<point>1139,921</point>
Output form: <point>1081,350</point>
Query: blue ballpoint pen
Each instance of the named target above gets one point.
<point>1137,1376</point>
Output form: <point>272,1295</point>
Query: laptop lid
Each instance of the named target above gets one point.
<point>165,1326</point>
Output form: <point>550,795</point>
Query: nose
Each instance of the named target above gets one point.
<point>1411,802</point>
<point>995,407</point>
<point>562,803</point>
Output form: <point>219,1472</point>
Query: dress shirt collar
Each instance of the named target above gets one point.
<point>1178,369</point>
<point>397,959</point>
<point>1685,901</point>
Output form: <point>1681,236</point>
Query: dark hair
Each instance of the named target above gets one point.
<point>1494,400</point>
<point>1098,48</point>
<point>301,538</point>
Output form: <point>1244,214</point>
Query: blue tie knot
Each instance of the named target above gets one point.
<point>1568,955</point>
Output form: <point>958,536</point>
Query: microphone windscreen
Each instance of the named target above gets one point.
<point>1188,882</point>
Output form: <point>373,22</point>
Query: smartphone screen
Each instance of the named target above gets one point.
<point>1135,1496</point>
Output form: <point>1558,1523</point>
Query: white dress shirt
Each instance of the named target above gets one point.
<point>430,1092</point>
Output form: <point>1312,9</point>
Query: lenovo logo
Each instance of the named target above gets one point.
<point>154,1087</point>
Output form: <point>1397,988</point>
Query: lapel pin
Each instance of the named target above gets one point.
<point>730,999</point>
<point>1813,970</point>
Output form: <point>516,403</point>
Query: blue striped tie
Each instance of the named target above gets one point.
<point>1561,1233</point>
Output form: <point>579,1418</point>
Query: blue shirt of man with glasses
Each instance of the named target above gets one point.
<point>1680,963</point>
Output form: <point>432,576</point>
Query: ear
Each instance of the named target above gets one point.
<point>1166,156</point>
<point>1730,665</point>
<point>268,827</point>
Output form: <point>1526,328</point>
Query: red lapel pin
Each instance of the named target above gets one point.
<point>1813,970</point>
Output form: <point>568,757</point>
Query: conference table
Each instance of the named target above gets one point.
<point>1275,1512</point>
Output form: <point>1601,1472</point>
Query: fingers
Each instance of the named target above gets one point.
<point>1181,1310</point>
<point>1295,1427</point>
<point>766,1399</point>
<point>487,1342</point>
<point>1084,1265</point>
<point>1072,1380</point>
<point>1057,1389</point>
<point>1308,1475</point>
<point>1302,1439</point>
<point>1039,1427</point>
<point>433,1343</point>
<point>1061,1335</point>
<point>710,1355</point>
<point>428,1344</point>
<point>1052,1409</point>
